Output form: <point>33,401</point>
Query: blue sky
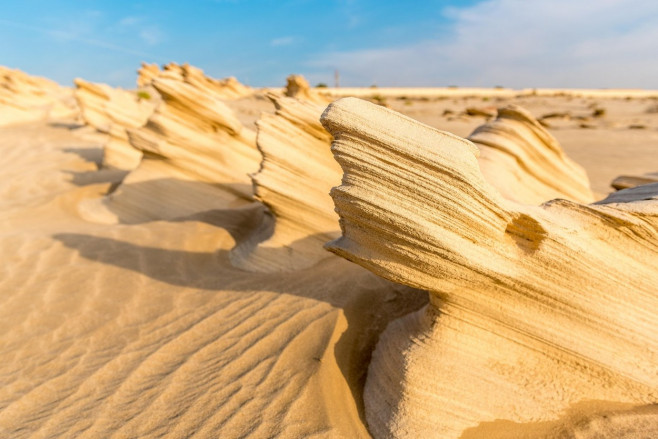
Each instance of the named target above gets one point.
<point>514,43</point>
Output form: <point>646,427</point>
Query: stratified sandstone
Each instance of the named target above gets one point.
<point>197,157</point>
<point>225,89</point>
<point>525,163</point>
<point>295,176</point>
<point>532,308</point>
<point>147,73</point>
<point>25,98</point>
<point>114,111</point>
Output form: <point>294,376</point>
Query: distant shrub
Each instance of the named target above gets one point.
<point>141,94</point>
<point>598,112</point>
<point>452,86</point>
<point>321,85</point>
<point>498,87</point>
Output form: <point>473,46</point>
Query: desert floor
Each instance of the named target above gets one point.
<point>147,330</point>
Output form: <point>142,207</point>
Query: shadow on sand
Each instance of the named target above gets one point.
<point>333,280</point>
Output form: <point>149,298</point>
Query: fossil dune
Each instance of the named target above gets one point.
<point>532,308</point>
<point>186,293</point>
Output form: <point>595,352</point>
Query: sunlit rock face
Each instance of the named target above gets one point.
<point>194,154</point>
<point>26,98</point>
<point>225,89</point>
<point>532,308</point>
<point>114,111</point>
<point>296,174</point>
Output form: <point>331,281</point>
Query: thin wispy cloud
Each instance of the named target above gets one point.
<point>282,41</point>
<point>71,35</point>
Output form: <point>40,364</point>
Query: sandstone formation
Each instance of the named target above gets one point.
<point>25,98</point>
<point>114,111</point>
<point>197,157</point>
<point>525,163</point>
<point>147,73</point>
<point>295,176</point>
<point>532,308</point>
<point>225,89</point>
<point>297,87</point>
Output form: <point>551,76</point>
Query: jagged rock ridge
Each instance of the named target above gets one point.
<point>196,156</point>
<point>114,111</point>
<point>25,98</point>
<point>225,89</point>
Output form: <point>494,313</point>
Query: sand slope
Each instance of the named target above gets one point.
<point>147,330</point>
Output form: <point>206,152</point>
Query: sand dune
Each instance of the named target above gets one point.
<point>188,294</point>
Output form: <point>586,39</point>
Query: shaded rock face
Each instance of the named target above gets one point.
<point>532,308</point>
<point>114,111</point>
<point>25,98</point>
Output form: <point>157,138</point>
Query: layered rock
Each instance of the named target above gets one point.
<point>197,157</point>
<point>295,176</point>
<point>297,87</point>
<point>25,98</point>
<point>146,74</point>
<point>532,308</point>
<point>225,89</point>
<point>525,163</point>
<point>114,111</point>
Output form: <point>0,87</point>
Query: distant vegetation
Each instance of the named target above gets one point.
<point>141,94</point>
<point>321,85</point>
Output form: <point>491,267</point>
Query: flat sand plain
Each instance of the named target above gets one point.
<point>147,330</point>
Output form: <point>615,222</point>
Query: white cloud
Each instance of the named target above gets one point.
<point>558,43</point>
<point>283,41</point>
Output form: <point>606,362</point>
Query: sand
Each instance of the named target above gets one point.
<point>148,330</point>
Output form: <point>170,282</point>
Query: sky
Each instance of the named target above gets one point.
<point>480,43</point>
